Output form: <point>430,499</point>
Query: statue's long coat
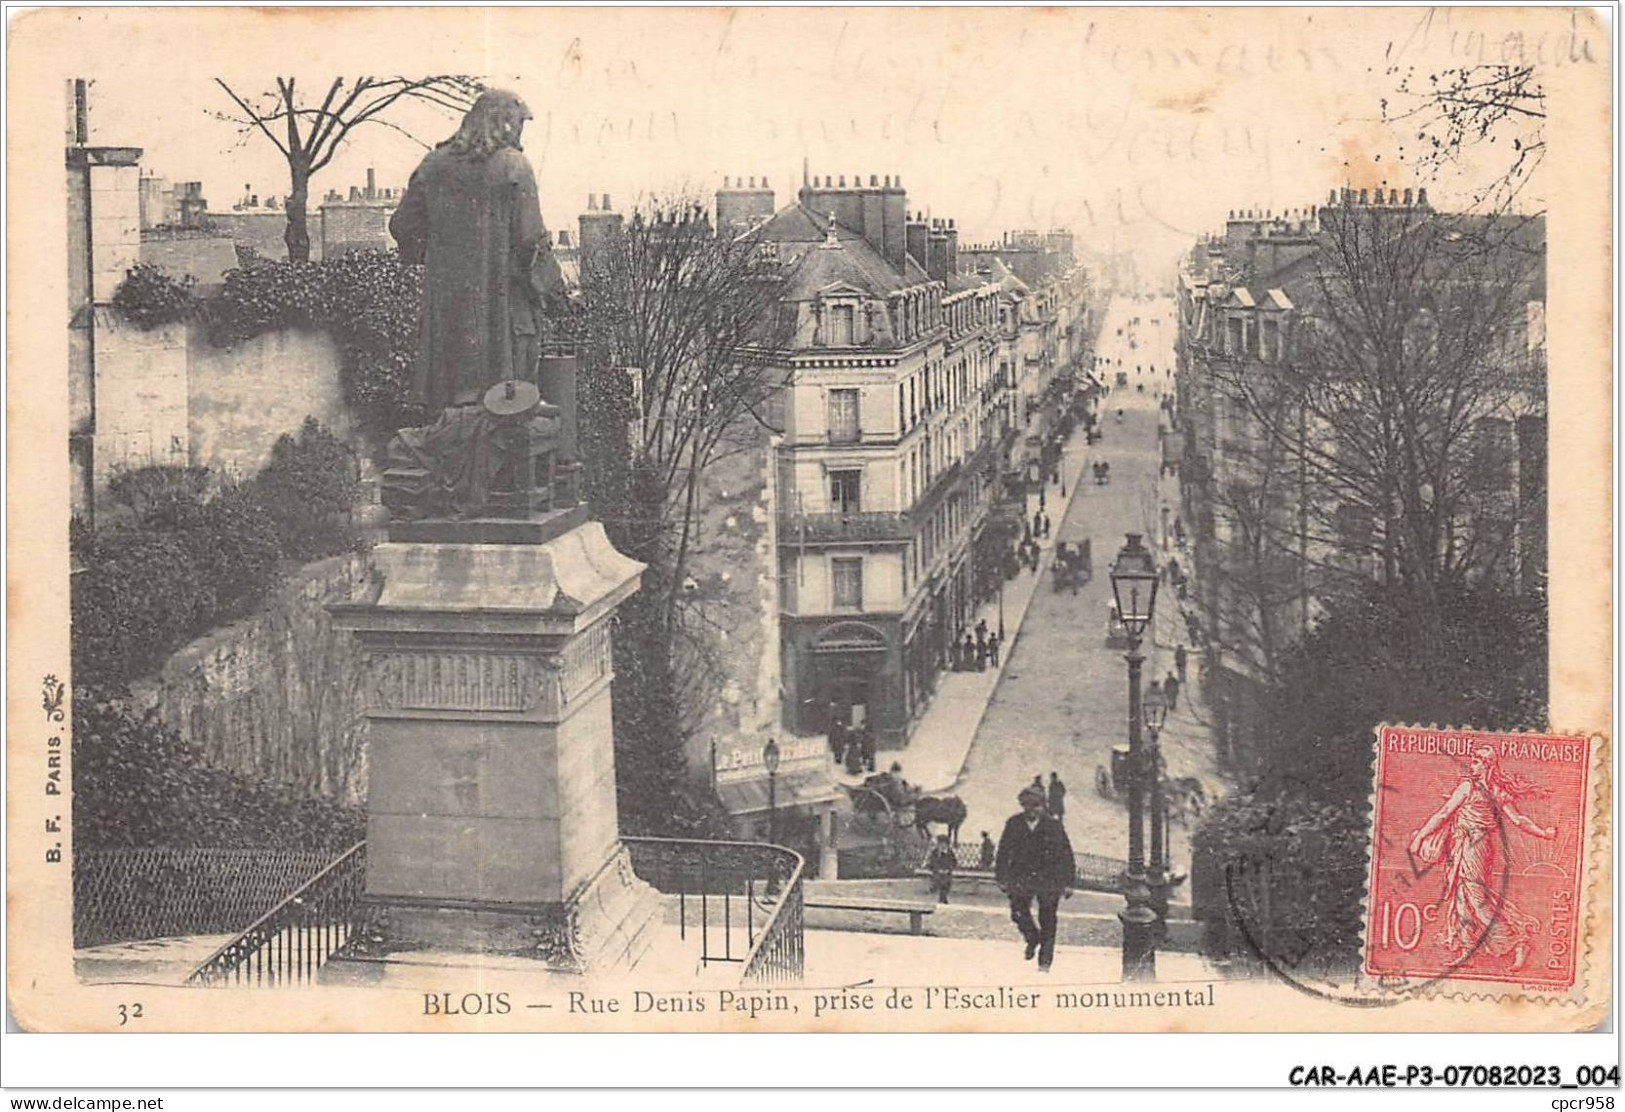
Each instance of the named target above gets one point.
<point>476,225</point>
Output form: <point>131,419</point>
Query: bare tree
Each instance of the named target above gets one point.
<point>1411,343</point>
<point>696,315</point>
<point>1454,111</point>
<point>309,132</point>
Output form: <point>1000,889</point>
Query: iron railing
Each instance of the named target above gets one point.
<point>120,895</point>
<point>1095,872</point>
<point>289,943</point>
<point>743,899</point>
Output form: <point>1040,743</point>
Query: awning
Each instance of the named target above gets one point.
<point>798,789</point>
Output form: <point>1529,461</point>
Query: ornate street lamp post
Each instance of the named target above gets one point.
<point>1134,585</point>
<point>770,758</point>
<point>1155,709</point>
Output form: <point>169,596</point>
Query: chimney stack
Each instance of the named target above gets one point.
<point>372,184</point>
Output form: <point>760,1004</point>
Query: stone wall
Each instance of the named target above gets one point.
<point>243,397</point>
<point>736,598</point>
<point>277,695</point>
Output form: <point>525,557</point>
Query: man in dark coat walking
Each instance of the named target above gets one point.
<point>1057,796</point>
<point>1035,861</point>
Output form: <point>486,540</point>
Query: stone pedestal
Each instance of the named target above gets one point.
<point>491,825</point>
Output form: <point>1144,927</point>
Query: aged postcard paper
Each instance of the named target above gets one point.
<point>810,520</point>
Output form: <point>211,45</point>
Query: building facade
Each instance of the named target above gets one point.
<point>906,377</point>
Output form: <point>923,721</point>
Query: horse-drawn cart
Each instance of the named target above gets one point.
<point>1072,567</point>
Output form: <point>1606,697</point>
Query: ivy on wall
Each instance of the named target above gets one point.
<point>367,301</point>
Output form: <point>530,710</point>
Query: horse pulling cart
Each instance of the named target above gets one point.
<point>895,802</point>
<point>1072,567</point>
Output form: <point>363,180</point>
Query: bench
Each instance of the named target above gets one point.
<point>915,910</point>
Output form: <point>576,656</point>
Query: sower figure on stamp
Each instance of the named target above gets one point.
<point>1035,860</point>
<point>1475,913</point>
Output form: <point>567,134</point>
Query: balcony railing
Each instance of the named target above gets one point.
<point>742,900</point>
<point>858,525</point>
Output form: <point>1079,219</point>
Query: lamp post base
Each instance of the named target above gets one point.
<point>1140,924</point>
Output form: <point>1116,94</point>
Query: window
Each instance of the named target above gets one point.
<point>841,331</point>
<point>1271,341</point>
<point>844,488</point>
<point>1233,347</point>
<point>846,582</point>
<point>843,417</point>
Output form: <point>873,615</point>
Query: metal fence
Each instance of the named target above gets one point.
<point>1095,872</point>
<point>742,900</point>
<point>125,895</point>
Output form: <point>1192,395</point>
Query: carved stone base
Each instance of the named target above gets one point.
<point>606,927</point>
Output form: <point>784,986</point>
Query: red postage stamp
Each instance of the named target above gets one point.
<point>1477,856</point>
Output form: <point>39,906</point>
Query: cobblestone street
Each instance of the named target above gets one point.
<point>1062,702</point>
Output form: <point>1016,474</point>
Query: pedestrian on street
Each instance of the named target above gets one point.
<point>1046,526</point>
<point>1035,860</point>
<point>985,856</point>
<point>941,863</point>
<point>981,630</point>
<point>967,651</point>
<point>1170,685</point>
<point>1180,661</point>
<point>1057,796</point>
<point>1040,498</point>
<point>866,745</point>
<point>837,732</point>
<point>993,648</point>
<point>1038,523</point>
<point>1033,551</point>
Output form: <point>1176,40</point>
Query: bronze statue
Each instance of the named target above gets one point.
<point>472,217</point>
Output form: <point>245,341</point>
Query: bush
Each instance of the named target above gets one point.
<point>159,497</point>
<point>150,296</point>
<point>307,491</point>
<point>184,564</point>
<point>137,784</point>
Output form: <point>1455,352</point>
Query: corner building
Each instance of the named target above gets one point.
<point>888,463</point>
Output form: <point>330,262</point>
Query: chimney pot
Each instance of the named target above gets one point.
<point>1422,197</point>
<point>1364,193</point>
<point>764,181</point>
<point>725,181</point>
<point>874,180</point>
<point>592,202</point>
<point>888,181</point>
<point>843,181</point>
<point>606,203</point>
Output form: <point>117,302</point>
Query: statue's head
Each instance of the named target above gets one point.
<point>496,121</point>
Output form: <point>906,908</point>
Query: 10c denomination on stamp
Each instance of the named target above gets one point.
<point>1478,845</point>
